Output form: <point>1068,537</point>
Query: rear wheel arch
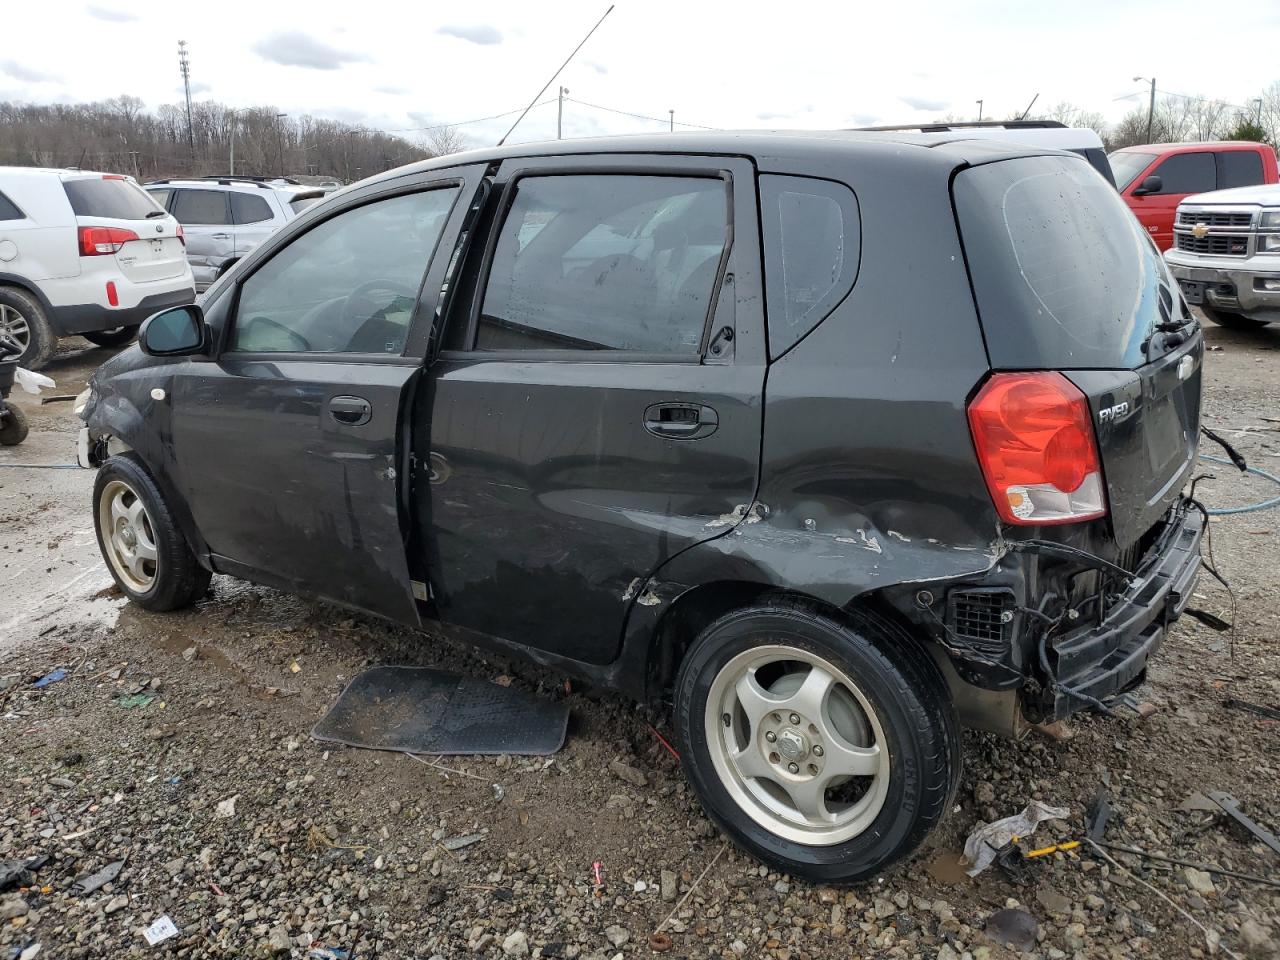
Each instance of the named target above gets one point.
<point>32,310</point>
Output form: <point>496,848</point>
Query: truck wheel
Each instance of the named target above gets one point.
<point>1233,321</point>
<point>22,318</point>
<point>826,748</point>
<point>13,426</point>
<point>112,338</point>
<point>147,554</point>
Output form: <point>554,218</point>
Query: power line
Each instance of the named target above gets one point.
<point>1184,96</point>
<point>463,123</point>
<point>641,116</point>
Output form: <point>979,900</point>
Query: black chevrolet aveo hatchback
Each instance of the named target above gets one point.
<point>836,443</point>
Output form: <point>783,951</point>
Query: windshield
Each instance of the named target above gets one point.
<point>1063,274</point>
<point>1127,164</point>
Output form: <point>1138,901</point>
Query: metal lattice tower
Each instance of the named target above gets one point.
<point>184,65</point>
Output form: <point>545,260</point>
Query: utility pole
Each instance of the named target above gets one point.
<point>1151,109</point>
<point>234,123</point>
<point>1258,113</point>
<point>184,66</point>
<point>133,155</point>
<point>671,128</point>
<point>280,139</point>
<point>979,102</point>
<point>560,113</point>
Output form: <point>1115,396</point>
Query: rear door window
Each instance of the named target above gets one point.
<point>247,208</point>
<point>201,207</point>
<point>606,262</point>
<point>1239,168</point>
<point>112,198</point>
<point>812,243</point>
<point>1188,173</point>
<point>1063,274</point>
<point>8,209</point>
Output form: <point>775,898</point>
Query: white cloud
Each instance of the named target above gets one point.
<point>481,34</point>
<point>924,103</point>
<point>293,48</point>
<point>105,13</point>
<point>25,74</point>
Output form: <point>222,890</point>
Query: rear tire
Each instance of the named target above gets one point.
<point>147,554</point>
<point>23,319</point>
<point>112,338</point>
<point>13,426</point>
<point>1233,321</point>
<point>768,755</point>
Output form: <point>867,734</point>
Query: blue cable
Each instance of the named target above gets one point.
<point>1264,505</point>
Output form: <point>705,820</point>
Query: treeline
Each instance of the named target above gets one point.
<point>1176,119</point>
<point>119,135</point>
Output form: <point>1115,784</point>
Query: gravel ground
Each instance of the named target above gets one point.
<point>179,744</point>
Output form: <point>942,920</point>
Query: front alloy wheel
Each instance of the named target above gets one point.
<point>129,539</point>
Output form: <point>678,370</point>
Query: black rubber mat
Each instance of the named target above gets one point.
<point>421,710</point>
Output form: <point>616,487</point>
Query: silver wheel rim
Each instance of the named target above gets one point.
<point>15,325</point>
<point>797,745</point>
<point>128,538</point>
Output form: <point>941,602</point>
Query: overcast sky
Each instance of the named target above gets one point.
<point>784,64</point>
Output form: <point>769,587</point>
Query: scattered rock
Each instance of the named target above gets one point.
<point>616,935</point>
<point>1013,928</point>
<point>11,907</point>
<point>1200,882</point>
<point>516,944</point>
<point>190,654</point>
<point>115,904</point>
<point>278,942</point>
<point>984,793</point>
<point>668,885</point>
<point>629,773</point>
<point>1053,901</point>
<point>226,809</point>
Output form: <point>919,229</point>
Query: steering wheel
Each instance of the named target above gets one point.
<point>396,288</point>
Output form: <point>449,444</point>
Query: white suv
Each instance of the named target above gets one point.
<point>227,217</point>
<point>83,253</point>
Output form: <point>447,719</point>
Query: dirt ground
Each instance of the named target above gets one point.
<point>179,743</point>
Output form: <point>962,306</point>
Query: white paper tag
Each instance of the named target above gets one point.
<point>162,929</point>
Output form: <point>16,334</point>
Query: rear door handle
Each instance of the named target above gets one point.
<point>681,421</point>
<point>351,411</point>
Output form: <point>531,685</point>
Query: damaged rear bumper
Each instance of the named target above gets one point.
<point>1096,662</point>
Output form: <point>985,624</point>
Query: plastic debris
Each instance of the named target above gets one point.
<point>457,843</point>
<point>14,874</point>
<point>88,884</point>
<point>31,382</point>
<point>319,951</point>
<point>1015,929</point>
<point>986,841</point>
<point>135,700</point>
<point>51,677</point>
<point>161,930</point>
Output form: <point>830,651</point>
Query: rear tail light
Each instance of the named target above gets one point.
<point>100,241</point>
<point>182,236</point>
<point>1035,443</point>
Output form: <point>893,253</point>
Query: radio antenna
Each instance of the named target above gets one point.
<point>554,75</point>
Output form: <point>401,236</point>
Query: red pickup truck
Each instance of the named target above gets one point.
<point>1155,177</point>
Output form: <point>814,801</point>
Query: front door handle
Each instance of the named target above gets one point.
<point>681,421</point>
<point>219,236</point>
<point>351,411</point>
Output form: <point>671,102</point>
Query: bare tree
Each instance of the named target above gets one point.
<point>443,141</point>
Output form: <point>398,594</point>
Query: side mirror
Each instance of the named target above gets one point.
<point>176,332</point>
<point>1151,184</point>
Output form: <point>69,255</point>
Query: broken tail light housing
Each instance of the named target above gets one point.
<point>181,235</point>
<point>102,241</point>
<point>1034,438</point>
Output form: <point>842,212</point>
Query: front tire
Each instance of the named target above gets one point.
<point>826,747</point>
<point>23,319</point>
<point>1233,321</point>
<point>147,554</point>
<point>13,426</point>
<point>112,338</point>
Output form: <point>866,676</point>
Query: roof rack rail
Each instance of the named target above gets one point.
<point>220,177</point>
<point>970,125</point>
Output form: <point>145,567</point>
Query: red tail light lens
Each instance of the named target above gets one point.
<point>182,236</point>
<point>1035,443</point>
<point>101,241</point>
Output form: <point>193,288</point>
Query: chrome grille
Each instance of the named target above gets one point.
<point>1210,218</point>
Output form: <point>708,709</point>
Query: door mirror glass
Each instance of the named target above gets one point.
<point>1151,184</point>
<point>176,332</point>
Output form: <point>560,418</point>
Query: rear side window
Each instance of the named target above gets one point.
<point>1188,173</point>
<point>608,262</point>
<point>247,208</point>
<point>201,207</point>
<point>812,242</point>
<point>1063,274</point>
<point>161,196</point>
<point>112,198</point>
<point>1239,168</point>
<point>8,209</point>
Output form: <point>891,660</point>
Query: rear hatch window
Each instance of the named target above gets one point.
<point>1064,276</point>
<point>110,198</point>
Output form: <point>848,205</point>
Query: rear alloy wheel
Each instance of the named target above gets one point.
<point>1233,321</point>
<point>826,748</point>
<point>117,337</point>
<point>147,554</point>
<point>22,320</point>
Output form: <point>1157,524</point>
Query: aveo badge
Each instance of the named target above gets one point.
<point>1111,414</point>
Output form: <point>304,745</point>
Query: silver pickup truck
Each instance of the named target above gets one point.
<point>1226,255</point>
